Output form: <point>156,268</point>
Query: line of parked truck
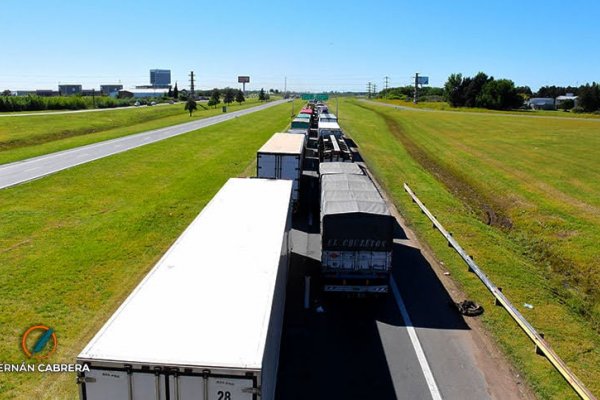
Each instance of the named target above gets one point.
<point>206,321</point>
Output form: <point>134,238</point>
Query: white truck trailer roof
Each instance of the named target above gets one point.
<point>208,300</point>
<point>284,143</point>
<point>329,125</point>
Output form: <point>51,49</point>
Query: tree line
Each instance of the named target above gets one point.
<point>482,91</point>
<point>38,103</point>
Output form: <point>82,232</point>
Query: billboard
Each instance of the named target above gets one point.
<point>243,79</point>
<point>423,80</point>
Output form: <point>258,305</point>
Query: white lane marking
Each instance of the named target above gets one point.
<point>82,155</point>
<point>31,169</point>
<point>431,384</point>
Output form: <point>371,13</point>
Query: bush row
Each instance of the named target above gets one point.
<point>38,103</point>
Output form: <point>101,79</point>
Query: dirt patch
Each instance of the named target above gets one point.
<point>488,210</point>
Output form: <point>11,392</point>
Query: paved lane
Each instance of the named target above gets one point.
<point>34,168</point>
<point>409,345</point>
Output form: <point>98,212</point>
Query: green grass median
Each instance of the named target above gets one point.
<point>73,245</point>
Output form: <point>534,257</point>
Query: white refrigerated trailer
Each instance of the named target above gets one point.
<point>206,321</point>
<point>281,158</point>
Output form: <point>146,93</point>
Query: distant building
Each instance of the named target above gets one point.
<point>160,78</point>
<point>23,92</point>
<point>46,92</point>
<point>541,103</point>
<point>568,96</point>
<point>69,90</point>
<point>89,92</point>
<point>110,90</point>
<point>142,93</point>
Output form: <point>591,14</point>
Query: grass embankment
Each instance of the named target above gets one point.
<point>73,245</point>
<point>521,195</point>
<point>444,106</point>
<point>22,137</point>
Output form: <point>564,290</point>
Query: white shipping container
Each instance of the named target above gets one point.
<point>281,158</point>
<point>206,321</point>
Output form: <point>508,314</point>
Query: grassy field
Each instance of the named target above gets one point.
<point>23,137</point>
<point>443,106</point>
<point>74,244</point>
<point>522,196</point>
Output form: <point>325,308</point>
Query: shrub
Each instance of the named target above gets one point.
<point>577,110</point>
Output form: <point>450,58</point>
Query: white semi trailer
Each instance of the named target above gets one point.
<point>281,158</point>
<point>206,321</point>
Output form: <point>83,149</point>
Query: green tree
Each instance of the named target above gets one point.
<point>170,94</point>
<point>239,97</point>
<point>473,89</point>
<point>215,98</point>
<point>6,93</point>
<point>453,89</point>
<point>261,95</point>
<point>176,91</point>
<point>499,95</point>
<point>589,97</point>
<point>228,96</point>
<point>191,106</point>
<point>567,104</point>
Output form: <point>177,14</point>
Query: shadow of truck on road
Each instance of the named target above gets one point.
<point>356,348</point>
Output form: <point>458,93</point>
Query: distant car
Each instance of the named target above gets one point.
<point>171,101</point>
<point>152,103</point>
<point>137,104</point>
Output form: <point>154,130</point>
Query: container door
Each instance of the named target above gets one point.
<point>197,387</point>
<point>230,389</point>
<point>382,260</point>
<point>103,384</point>
<point>184,387</point>
<point>266,166</point>
<point>364,260</point>
<point>290,169</point>
<point>348,260</point>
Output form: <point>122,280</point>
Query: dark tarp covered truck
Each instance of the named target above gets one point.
<point>206,321</point>
<point>357,233</point>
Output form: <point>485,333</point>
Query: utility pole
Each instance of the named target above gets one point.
<point>374,90</point>
<point>193,94</point>
<point>369,90</point>
<point>416,97</point>
<point>285,86</point>
<point>386,80</point>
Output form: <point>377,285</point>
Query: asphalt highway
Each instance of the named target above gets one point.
<point>409,345</point>
<point>34,168</point>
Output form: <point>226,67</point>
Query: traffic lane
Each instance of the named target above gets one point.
<point>34,168</point>
<point>354,349</point>
<point>448,342</point>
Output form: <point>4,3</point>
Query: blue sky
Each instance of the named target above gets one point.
<point>339,45</point>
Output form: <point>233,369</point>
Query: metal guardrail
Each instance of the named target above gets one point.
<point>541,346</point>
